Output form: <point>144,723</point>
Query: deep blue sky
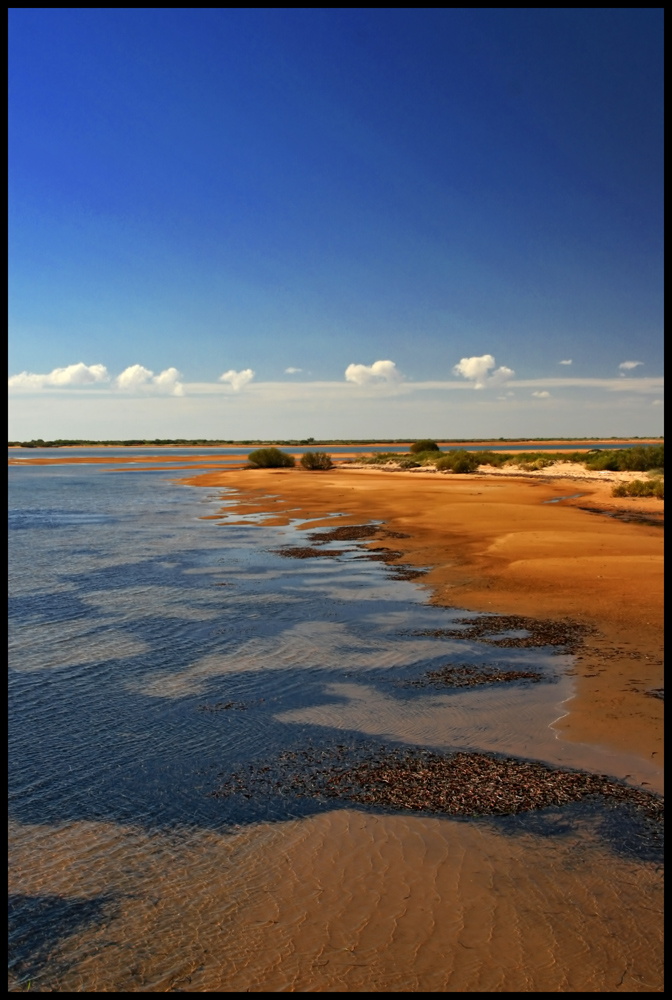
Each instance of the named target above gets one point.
<point>219,189</point>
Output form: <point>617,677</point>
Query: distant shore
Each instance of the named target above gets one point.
<point>517,444</point>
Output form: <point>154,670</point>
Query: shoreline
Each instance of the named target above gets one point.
<point>547,544</point>
<point>511,545</point>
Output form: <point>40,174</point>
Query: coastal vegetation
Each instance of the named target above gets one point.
<point>640,488</point>
<point>422,447</point>
<point>271,458</point>
<point>636,459</point>
<point>458,461</point>
<point>316,461</point>
<point>639,458</point>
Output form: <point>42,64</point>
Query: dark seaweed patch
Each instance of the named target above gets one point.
<point>306,552</point>
<point>345,533</point>
<point>467,675</point>
<point>407,573</point>
<point>458,784</point>
<point>563,633</point>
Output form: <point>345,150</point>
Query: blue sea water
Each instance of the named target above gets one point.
<point>129,613</point>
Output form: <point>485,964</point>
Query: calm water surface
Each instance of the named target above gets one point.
<point>131,619</point>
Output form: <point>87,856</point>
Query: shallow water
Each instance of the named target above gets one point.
<point>133,622</point>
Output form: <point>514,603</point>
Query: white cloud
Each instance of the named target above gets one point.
<point>137,377</point>
<point>386,371</point>
<point>542,395</point>
<point>168,380</point>
<point>292,371</point>
<point>627,366</point>
<point>79,374</point>
<point>237,379</point>
<point>567,362</point>
<point>134,377</point>
<point>477,369</point>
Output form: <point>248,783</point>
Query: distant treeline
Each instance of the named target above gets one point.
<point>209,442</point>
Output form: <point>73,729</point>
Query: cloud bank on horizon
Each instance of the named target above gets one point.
<point>82,400</point>
<point>478,371</point>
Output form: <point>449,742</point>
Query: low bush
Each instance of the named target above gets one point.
<point>383,457</point>
<point>458,461</point>
<point>316,461</point>
<point>421,446</point>
<point>270,458</point>
<point>541,459</point>
<point>542,462</point>
<point>640,458</point>
<point>425,457</point>
<point>494,458</point>
<point>640,488</point>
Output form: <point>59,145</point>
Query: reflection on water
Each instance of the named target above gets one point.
<point>128,615</point>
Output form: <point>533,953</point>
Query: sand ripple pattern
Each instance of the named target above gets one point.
<point>345,901</point>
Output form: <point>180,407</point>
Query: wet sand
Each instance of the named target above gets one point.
<point>344,901</point>
<point>492,543</point>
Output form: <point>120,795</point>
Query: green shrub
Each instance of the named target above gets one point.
<point>425,457</point>
<point>316,460</point>
<point>458,461</point>
<point>383,457</point>
<point>640,458</point>
<point>542,462</point>
<point>640,488</point>
<point>270,458</point>
<point>494,458</point>
<point>422,446</point>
